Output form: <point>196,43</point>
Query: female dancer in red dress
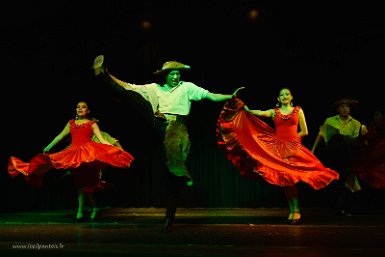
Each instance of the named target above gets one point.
<point>84,157</point>
<point>277,155</point>
<point>369,161</point>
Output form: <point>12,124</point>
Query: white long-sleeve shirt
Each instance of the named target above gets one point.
<point>172,100</point>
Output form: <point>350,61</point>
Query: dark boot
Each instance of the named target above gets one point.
<point>341,202</point>
<point>167,226</point>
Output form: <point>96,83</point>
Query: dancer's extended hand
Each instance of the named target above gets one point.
<point>236,92</point>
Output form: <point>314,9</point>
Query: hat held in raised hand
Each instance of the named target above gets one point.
<point>98,64</point>
<point>172,65</point>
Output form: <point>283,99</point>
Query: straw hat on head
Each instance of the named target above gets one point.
<point>349,101</point>
<point>172,65</point>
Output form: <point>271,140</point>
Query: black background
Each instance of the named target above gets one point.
<point>322,50</point>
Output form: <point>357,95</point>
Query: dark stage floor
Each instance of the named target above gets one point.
<point>197,232</point>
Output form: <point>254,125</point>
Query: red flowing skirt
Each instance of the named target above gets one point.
<point>256,151</point>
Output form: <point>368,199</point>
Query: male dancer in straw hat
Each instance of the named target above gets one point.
<point>340,133</point>
<point>172,102</point>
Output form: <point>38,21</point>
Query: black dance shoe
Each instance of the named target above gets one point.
<point>344,213</point>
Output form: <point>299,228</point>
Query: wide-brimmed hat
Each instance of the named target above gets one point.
<point>349,101</point>
<point>172,65</point>
<point>97,65</point>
